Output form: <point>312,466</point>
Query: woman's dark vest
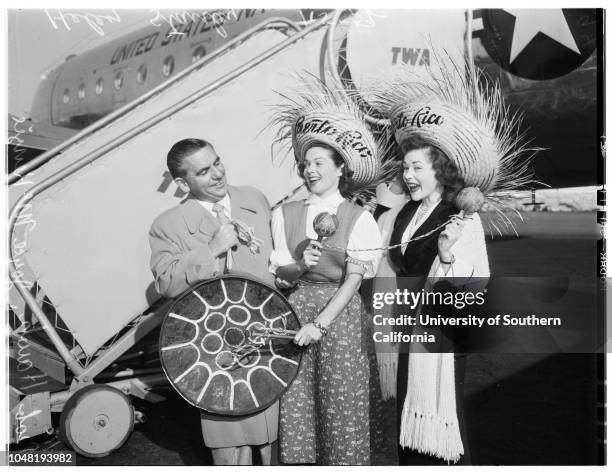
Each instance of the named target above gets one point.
<point>331,264</point>
<point>420,254</point>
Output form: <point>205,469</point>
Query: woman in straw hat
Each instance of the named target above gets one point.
<point>458,142</point>
<point>324,416</point>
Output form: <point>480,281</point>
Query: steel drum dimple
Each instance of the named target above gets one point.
<point>215,322</point>
<point>224,360</point>
<point>212,343</point>
<point>230,359</point>
<point>234,337</point>
<point>238,315</point>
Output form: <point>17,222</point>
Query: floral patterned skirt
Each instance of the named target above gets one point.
<point>325,414</point>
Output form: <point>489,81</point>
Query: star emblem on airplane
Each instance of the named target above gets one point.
<point>538,44</point>
<point>529,23</point>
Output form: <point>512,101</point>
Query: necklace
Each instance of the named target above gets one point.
<point>421,211</point>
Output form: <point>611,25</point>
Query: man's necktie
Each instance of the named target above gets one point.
<point>226,259</point>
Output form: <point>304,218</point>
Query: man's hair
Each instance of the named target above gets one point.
<point>181,150</point>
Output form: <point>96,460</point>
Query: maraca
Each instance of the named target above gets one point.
<point>469,200</point>
<point>325,225</point>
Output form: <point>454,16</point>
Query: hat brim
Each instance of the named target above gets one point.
<point>349,137</point>
<point>468,144</point>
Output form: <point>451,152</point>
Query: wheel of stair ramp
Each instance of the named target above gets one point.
<point>96,420</point>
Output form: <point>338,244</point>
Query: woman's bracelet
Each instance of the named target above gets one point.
<point>321,328</point>
<point>452,261</point>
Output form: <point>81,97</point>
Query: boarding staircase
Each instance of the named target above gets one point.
<point>80,213</point>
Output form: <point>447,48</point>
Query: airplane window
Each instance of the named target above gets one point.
<point>81,92</point>
<point>141,75</point>
<point>99,86</point>
<point>118,80</point>
<point>66,97</point>
<point>168,66</point>
<point>198,54</point>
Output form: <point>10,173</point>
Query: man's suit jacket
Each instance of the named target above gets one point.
<point>179,238</point>
<point>180,257</point>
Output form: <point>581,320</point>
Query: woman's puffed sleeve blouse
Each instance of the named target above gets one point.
<point>362,243</point>
<point>470,252</point>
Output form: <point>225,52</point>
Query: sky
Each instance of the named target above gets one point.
<point>35,45</point>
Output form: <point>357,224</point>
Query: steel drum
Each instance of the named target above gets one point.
<point>226,345</point>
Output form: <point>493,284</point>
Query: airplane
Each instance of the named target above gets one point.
<point>559,113</point>
<point>561,98</point>
<point>78,225</point>
<point>88,86</point>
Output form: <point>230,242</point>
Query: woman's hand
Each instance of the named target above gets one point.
<point>449,237</point>
<point>309,333</point>
<point>311,255</point>
<point>284,284</point>
<point>288,275</point>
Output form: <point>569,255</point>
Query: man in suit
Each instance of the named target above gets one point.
<point>195,241</point>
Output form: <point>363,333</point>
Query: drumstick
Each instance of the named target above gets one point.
<point>264,331</point>
<point>285,335</point>
<point>277,336</point>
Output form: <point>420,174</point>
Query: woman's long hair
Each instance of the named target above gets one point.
<point>446,172</point>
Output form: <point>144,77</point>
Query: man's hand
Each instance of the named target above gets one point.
<point>311,254</point>
<point>223,240</point>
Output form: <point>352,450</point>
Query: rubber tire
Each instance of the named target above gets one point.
<point>72,406</point>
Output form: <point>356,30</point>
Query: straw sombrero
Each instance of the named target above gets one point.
<point>461,112</point>
<point>317,113</point>
<point>471,147</point>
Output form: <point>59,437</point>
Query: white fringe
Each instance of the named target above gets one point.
<point>428,434</point>
<point>387,373</point>
<point>429,416</point>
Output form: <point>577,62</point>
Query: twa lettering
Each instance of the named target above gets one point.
<point>412,56</point>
